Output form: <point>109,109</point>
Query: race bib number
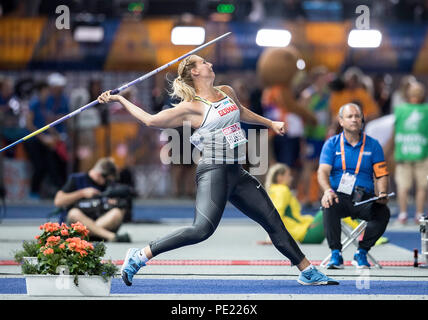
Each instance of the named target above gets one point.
<point>234,135</point>
<point>347,183</point>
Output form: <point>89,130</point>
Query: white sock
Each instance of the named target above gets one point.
<point>142,256</point>
<point>308,268</point>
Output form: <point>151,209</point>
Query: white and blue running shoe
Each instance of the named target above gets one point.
<point>131,265</point>
<point>313,277</point>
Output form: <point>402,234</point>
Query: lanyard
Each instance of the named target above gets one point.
<point>360,157</point>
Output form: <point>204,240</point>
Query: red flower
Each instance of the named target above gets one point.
<point>79,227</point>
<point>87,245</point>
<point>80,246</point>
<point>64,232</point>
<point>73,240</point>
<point>52,240</point>
<point>48,251</point>
<point>83,253</point>
<point>50,227</point>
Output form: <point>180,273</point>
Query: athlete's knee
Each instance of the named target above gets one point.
<point>201,232</point>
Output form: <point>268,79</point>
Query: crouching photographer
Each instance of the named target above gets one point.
<point>96,200</point>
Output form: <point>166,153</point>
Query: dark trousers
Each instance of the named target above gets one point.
<point>377,216</point>
<point>45,163</point>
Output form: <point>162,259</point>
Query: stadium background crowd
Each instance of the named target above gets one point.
<point>39,90</point>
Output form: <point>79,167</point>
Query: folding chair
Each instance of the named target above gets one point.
<point>352,237</point>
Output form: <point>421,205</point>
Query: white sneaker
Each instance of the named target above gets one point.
<point>418,216</point>
<point>402,218</point>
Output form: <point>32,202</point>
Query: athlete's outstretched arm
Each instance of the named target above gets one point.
<point>251,117</point>
<point>169,118</point>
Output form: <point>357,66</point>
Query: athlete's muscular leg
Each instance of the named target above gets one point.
<point>250,197</point>
<point>211,199</point>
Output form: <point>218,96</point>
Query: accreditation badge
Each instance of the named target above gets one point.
<point>347,183</point>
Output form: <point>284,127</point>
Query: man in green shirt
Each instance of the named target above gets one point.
<point>411,150</point>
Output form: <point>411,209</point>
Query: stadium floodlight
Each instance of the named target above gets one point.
<point>364,38</point>
<point>86,33</point>
<point>273,38</point>
<point>188,35</point>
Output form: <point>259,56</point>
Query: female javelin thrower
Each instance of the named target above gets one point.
<point>216,114</point>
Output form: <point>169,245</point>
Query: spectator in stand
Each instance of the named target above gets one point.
<point>411,150</point>
<point>84,124</point>
<point>382,92</point>
<point>368,84</point>
<point>315,98</point>
<point>352,92</point>
<point>12,113</point>
<point>287,148</point>
<point>48,151</point>
<point>399,96</point>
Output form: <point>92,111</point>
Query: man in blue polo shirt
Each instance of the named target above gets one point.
<point>348,163</point>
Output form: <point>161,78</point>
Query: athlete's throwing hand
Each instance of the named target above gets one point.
<point>106,97</point>
<point>278,127</point>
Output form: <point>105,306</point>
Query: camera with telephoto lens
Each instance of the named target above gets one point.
<point>100,204</point>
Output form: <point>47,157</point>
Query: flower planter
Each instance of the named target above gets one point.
<point>44,276</point>
<point>63,285</point>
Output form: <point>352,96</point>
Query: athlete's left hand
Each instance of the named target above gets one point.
<point>279,127</point>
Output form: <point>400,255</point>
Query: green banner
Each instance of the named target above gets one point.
<point>411,132</point>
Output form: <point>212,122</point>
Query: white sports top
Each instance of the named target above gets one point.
<point>220,137</point>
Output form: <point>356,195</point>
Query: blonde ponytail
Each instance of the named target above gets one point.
<point>182,86</point>
<point>182,90</point>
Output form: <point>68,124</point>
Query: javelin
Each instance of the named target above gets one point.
<point>115,91</point>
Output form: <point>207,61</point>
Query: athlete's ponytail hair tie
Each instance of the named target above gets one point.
<point>183,85</point>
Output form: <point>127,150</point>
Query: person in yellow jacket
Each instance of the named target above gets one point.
<point>303,228</point>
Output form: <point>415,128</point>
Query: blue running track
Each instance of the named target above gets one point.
<point>218,286</point>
